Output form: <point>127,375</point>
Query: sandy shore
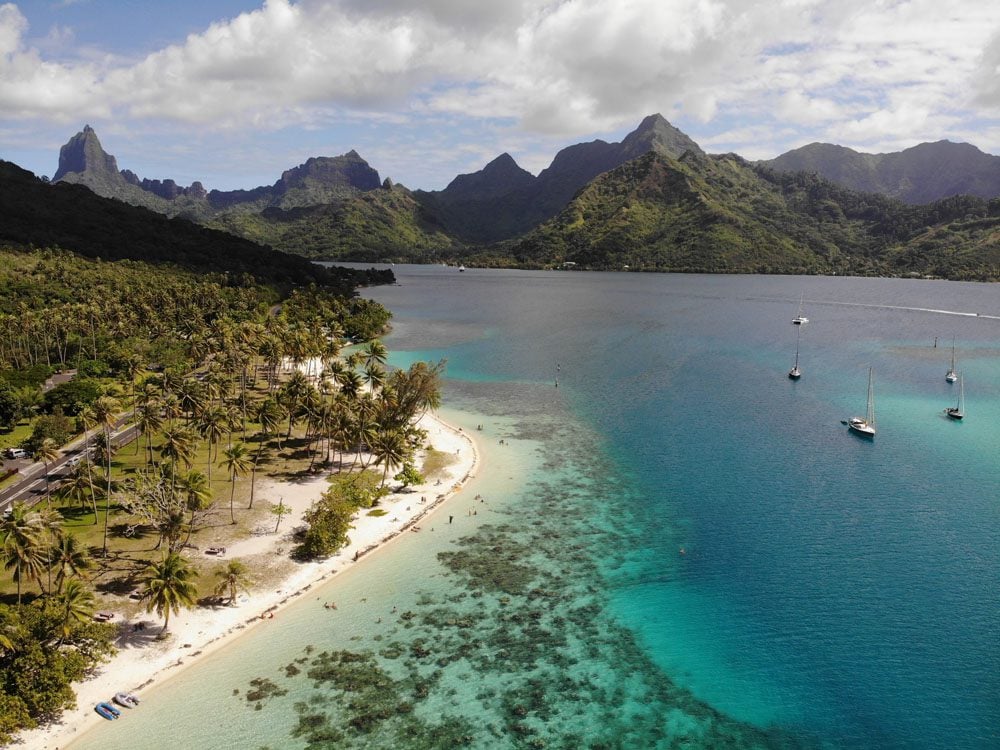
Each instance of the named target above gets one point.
<point>142,661</point>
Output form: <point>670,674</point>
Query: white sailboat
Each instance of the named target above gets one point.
<point>795,373</point>
<point>952,375</point>
<point>865,426</point>
<point>800,318</point>
<point>958,412</point>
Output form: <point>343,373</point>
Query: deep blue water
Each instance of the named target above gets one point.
<point>785,571</point>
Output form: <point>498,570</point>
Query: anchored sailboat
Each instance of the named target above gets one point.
<point>952,375</point>
<point>800,318</point>
<point>958,412</point>
<point>795,373</point>
<point>865,426</point>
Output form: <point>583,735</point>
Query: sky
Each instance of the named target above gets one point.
<point>234,92</point>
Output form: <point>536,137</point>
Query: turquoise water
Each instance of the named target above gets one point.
<point>679,546</point>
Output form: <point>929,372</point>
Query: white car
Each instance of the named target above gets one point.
<point>17,453</point>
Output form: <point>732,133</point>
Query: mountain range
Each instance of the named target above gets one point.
<point>654,201</point>
<point>72,217</point>
<point>922,174</point>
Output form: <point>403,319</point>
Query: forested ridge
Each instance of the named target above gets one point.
<point>722,214</point>
<point>35,213</point>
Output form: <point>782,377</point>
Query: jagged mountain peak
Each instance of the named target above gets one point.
<point>347,171</point>
<point>656,134</point>
<point>84,153</point>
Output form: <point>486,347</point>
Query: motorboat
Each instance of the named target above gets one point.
<point>800,318</point>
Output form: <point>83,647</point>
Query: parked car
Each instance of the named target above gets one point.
<point>17,453</point>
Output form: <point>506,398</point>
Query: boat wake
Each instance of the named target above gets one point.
<point>934,310</point>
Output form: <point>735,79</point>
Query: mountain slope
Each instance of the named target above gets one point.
<point>385,224</point>
<point>74,218</point>
<point>721,214</point>
<point>502,200</point>
<point>921,174</point>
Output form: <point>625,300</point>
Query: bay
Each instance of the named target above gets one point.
<point>676,544</point>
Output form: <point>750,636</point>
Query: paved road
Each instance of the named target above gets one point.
<point>31,488</point>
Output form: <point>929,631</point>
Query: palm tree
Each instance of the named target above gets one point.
<point>191,394</point>
<point>268,414</point>
<point>70,558</point>
<point>375,353</point>
<point>375,376</point>
<point>350,384</point>
<point>233,578</point>
<point>178,446</point>
<point>171,408</point>
<point>324,420</point>
<point>389,449</point>
<point>132,367</point>
<point>212,425</point>
<point>76,606</point>
<point>23,549</point>
<point>51,523</point>
<point>148,421</point>
<point>343,429</point>
<point>237,463</point>
<point>293,393</point>
<point>79,487</point>
<point>168,586</point>
<point>105,408</point>
<point>46,452</point>
<point>197,495</point>
<point>87,420</point>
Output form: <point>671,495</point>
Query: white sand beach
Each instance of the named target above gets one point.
<point>142,661</point>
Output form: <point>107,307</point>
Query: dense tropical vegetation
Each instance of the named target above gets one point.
<point>223,382</point>
<point>32,212</point>
<point>715,214</point>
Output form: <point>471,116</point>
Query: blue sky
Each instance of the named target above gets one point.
<point>233,92</point>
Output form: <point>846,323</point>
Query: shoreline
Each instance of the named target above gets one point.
<point>143,662</point>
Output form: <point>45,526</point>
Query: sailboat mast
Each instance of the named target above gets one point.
<point>871,399</point>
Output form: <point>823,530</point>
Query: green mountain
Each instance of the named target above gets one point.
<point>502,200</point>
<point>721,214</point>
<point>379,225</point>
<point>922,174</point>
<point>33,212</point>
<point>327,208</point>
<point>655,201</point>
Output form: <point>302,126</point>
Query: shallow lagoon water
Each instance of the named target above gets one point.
<point>680,546</point>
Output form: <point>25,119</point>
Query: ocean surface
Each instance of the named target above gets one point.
<point>673,546</point>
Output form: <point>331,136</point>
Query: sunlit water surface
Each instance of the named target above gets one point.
<point>676,546</point>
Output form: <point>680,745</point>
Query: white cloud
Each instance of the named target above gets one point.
<point>862,71</point>
<point>33,87</point>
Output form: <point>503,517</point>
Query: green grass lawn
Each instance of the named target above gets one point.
<point>15,437</point>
